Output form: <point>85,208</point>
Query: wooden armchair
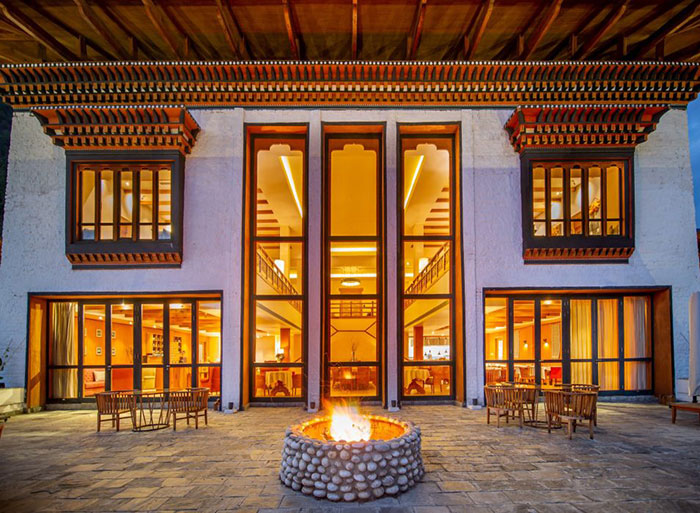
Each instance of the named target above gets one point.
<point>570,408</point>
<point>584,387</point>
<point>189,404</point>
<point>115,406</point>
<point>505,401</point>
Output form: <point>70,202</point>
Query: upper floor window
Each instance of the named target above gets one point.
<point>578,198</point>
<point>124,201</point>
<point>577,206</point>
<point>125,208</point>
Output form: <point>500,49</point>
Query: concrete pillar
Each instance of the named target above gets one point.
<point>392,277</point>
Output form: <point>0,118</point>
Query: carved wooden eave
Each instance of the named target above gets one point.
<point>119,128</point>
<point>131,259</point>
<point>547,255</point>
<point>575,126</point>
<point>357,84</point>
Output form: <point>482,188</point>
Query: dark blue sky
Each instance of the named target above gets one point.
<point>694,134</point>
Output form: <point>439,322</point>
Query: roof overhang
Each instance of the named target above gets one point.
<point>349,84</point>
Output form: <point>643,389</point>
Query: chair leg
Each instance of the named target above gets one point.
<point>590,428</point>
<point>196,420</point>
<point>549,424</point>
<point>570,429</point>
<point>673,415</point>
<point>498,418</point>
<point>521,418</point>
<point>98,422</point>
<point>206,421</point>
<point>118,417</point>
<point>488,415</point>
<point>175,422</point>
<point>574,426</point>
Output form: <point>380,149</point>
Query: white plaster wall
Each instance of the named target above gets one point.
<point>665,241</point>
<point>33,238</point>
<point>34,235</point>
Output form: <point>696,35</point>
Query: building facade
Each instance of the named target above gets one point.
<point>300,232</point>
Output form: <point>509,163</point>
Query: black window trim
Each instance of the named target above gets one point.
<point>174,245</point>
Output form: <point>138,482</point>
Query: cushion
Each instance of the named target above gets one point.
<point>99,375</point>
<point>88,376</point>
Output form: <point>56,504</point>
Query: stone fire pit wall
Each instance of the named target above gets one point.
<point>350,471</point>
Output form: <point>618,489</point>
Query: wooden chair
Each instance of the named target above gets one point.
<point>505,401</point>
<point>189,404</point>
<point>570,408</point>
<point>530,398</point>
<point>115,406</point>
<point>585,387</point>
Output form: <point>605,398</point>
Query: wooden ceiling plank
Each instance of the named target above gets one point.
<point>355,15</point>
<point>291,33</point>
<point>98,26</point>
<point>148,50</point>
<point>36,32</point>
<point>609,22</point>
<point>541,29</point>
<point>189,44</point>
<point>154,14</point>
<point>414,38</point>
<point>234,37</point>
<point>485,11</point>
<point>689,53</point>
<point>675,23</point>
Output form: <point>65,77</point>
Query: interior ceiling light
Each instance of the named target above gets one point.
<point>355,250</point>
<point>350,282</point>
<point>290,180</point>
<point>354,275</point>
<point>414,179</point>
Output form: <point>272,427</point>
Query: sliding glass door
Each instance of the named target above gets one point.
<point>98,345</point>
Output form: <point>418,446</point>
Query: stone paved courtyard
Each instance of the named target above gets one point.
<point>639,461</point>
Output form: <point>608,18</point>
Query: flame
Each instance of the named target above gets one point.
<point>348,424</point>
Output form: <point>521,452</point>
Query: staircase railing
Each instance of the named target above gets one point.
<point>274,277</point>
<point>436,268</point>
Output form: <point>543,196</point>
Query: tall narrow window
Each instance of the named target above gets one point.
<point>278,249</point>
<point>427,208</point>
<point>354,256</point>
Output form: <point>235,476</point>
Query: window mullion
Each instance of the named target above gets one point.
<point>547,199</point>
<point>154,202</point>
<point>584,200</point>
<point>98,204</point>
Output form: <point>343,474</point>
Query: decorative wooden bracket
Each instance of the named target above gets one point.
<point>120,128</point>
<point>557,127</point>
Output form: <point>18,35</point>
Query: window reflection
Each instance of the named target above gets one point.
<point>278,382</point>
<point>278,337</point>
<point>427,330</point>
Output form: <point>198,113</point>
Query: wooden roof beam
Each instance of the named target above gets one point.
<point>541,29</point>
<point>234,37</point>
<point>291,32</point>
<point>414,38</point>
<point>607,25</point>
<point>135,44</point>
<point>355,20</point>
<point>36,32</point>
<point>94,21</point>
<point>155,15</point>
<point>483,16</point>
<point>675,23</point>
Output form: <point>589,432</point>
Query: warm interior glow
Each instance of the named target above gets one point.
<point>288,171</point>
<point>414,178</point>
<point>348,424</point>
<point>353,250</point>
<point>353,275</point>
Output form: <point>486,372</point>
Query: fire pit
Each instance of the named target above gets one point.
<point>348,456</point>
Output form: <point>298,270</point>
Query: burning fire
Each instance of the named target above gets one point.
<point>348,424</point>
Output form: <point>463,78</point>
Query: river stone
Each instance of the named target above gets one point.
<point>392,490</point>
<point>364,495</point>
<point>333,497</point>
<point>349,497</point>
<point>319,493</point>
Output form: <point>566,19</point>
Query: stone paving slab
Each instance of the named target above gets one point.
<point>638,462</point>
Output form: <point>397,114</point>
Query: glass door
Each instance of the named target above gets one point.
<point>154,350</point>
<point>354,265</point>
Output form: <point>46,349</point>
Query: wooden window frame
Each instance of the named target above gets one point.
<point>577,248</point>
<point>137,364</point>
<point>409,140</point>
<point>566,359</point>
<point>353,133</point>
<point>134,248</point>
<point>270,135</point>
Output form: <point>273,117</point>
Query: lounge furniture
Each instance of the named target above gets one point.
<point>530,398</point>
<point>150,410</point>
<point>189,404</point>
<point>417,379</point>
<point>504,401</point>
<point>93,381</point>
<point>115,406</point>
<point>675,407</point>
<point>571,408</point>
<point>585,387</point>
<point>278,382</point>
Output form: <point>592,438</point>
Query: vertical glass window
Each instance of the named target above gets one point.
<point>581,340</point>
<point>524,341</point>
<point>637,343</point>
<point>551,369</point>
<point>427,238</point>
<point>277,337</point>
<point>539,224</point>
<point>106,204</point>
<point>126,205</point>
<point>146,204</point>
<point>353,338</point>
<point>63,350</point>
<point>595,211</point>
<point>576,200</point>
<point>613,201</point>
<point>88,201</point>
<point>496,332</point>
<point>556,201</point>
<point>164,204</point>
